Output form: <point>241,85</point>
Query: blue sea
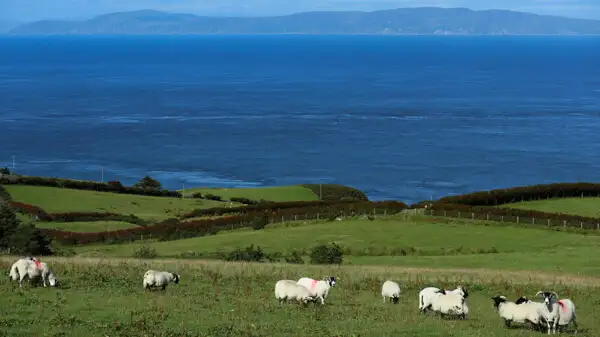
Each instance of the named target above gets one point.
<point>408,118</point>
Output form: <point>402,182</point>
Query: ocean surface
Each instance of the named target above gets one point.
<point>408,118</point>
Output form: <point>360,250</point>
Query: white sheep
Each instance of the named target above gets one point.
<point>153,278</point>
<point>516,312</point>
<point>566,312</point>
<point>426,295</point>
<point>451,304</point>
<point>549,311</point>
<point>318,288</point>
<point>391,290</point>
<point>290,290</point>
<point>33,269</point>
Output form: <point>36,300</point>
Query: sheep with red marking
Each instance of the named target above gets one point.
<point>566,312</point>
<point>318,288</point>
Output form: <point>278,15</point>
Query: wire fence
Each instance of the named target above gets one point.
<point>525,220</point>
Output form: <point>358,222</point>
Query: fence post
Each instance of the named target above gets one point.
<point>306,216</point>
<point>517,219</point>
<point>459,214</point>
<point>472,216</point>
<point>565,223</point>
<point>548,222</point>
<point>444,212</point>
<point>533,221</point>
<point>487,216</point>
<point>385,211</point>
<point>598,226</point>
<point>373,211</point>
<point>317,215</point>
<point>581,224</point>
<point>295,217</point>
<point>502,218</point>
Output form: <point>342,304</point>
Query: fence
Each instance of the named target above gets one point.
<point>555,221</point>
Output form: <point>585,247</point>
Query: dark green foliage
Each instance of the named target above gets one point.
<point>4,170</point>
<point>294,258</point>
<point>327,254</point>
<point>334,192</point>
<point>148,183</point>
<point>250,253</point>
<point>197,195</point>
<point>145,252</point>
<point>21,238</point>
<point>4,195</point>
<point>213,197</point>
<point>260,222</point>
<point>247,201</point>
<point>113,187</point>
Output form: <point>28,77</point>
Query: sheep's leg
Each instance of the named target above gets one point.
<point>383,299</point>
<point>163,287</point>
<point>507,323</point>
<point>322,300</point>
<point>574,324</point>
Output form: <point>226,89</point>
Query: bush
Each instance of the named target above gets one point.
<point>334,192</point>
<point>4,170</point>
<point>213,197</point>
<point>326,254</point>
<point>294,258</point>
<point>250,253</point>
<point>260,222</point>
<point>245,201</point>
<point>21,238</point>
<point>145,252</point>
<point>4,195</point>
<point>197,195</point>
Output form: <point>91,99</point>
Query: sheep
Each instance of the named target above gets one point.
<point>391,290</point>
<point>566,313</point>
<point>318,289</point>
<point>290,290</point>
<point>33,269</point>
<point>153,278</point>
<point>514,312</point>
<point>426,295</point>
<point>548,310</point>
<point>452,304</point>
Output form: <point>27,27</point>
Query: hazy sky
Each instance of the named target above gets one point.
<point>31,10</point>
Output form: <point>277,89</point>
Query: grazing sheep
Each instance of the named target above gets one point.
<point>153,278</point>
<point>290,290</point>
<point>515,312</point>
<point>317,288</point>
<point>452,304</point>
<point>549,309</point>
<point>566,313</point>
<point>391,290</point>
<point>33,269</point>
<point>426,295</point>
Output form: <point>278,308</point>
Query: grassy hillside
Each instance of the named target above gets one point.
<point>91,226</point>
<point>236,299</point>
<point>280,193</point>
<point>456,244</point>
<point>576,206</point>
<point>53,199</point>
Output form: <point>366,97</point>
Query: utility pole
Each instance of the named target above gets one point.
<point>102,174</point>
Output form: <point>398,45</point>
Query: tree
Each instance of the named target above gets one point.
<point>4,170</point>
<point>148,183</point>
<point>21,238</point>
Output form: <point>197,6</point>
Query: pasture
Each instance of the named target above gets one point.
<point>279,193</point>
<point>101,297</point>
<point>86,226</point>
<point>417,241</point>
<point>53,199</point>
<point>576,206</point>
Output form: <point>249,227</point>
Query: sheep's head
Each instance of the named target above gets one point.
<point>176,278</point>
<point>330,280</point>
<point>497,300</point>
<point>465,293</point>
<point>548,296</point>
<point>395,299</point>
<point>522,300</point>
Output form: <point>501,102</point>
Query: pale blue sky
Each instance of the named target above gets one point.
<point>30,10</point>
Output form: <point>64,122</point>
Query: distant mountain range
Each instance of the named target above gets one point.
<point>404,21</point>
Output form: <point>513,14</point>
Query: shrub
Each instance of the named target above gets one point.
<point>145,252</point>
<point>294,258</point>
<point>245,201</point>
<point>326,254</point>
<point>116,185</point>
<point>334,192</point>
<point>213,197</point>
<point>197,195</point>
<point>4,195</point>
<point>250,253</point>
<point>21,238</point>
<point>4,170</point>
<point>260,222</point>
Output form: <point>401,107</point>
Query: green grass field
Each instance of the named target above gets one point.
<point>105,298</point>
<point>53,199</point>
<point>280,193</point>
<point>459,244</point>
<point>576,206</point>
<point>91,226</point>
